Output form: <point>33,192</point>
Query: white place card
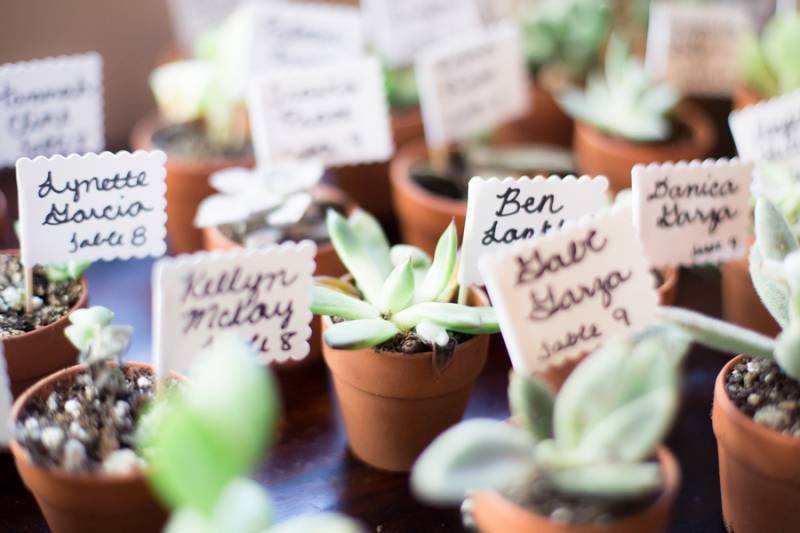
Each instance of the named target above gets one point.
<point>51,106</point>
<point>6,401</point>
<point>566,293</point>
<point>263,295</point>
<point>696,46</point>
<point>692,213</point>
<point>501,213</point>
<point>468,85</point>
<point>95,206</point>
<point>400,29</point>
<point>769,130</point>
<point>191,18</point>
<point>336,114</point>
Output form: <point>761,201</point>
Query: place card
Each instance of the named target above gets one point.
<point>468,85</point>
<point>769,130</point>
<point>192,18</point>
<point>261,294</point>
<point>51,106</point>
<point>95,206</point>
<point>336,114</point>
<point>6,401</point>
<point>564,294</point>
<point>501,213</point>
<point>696,46</point>
<point>690,213</point>
<point>399,30</point>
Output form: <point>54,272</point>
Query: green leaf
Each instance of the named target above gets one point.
<point>773,292</point>
<point>444,262</point>
<point>453,317</point>
<point>756,71</point>
<point>787,351</point>
<point>532,405</point>
<point>80,336</point>
<point>473,455</point>
<point>318,523</point>
<point>96,315</point>
<point>353,254</point>
<point>358,334</point>
<point>330,302</point>
<point>774,236</point>
<point>188,520</point>
<point>610,480</point>
<point>372,238</point>
<point>398,289</point>
<point>433,333</point>
<point>244,507</point>
<point>405,252</point>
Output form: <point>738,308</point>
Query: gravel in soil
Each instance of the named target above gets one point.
<point>86,424</point>
<point>190,141</point>
<point>761,390</point>
<point>51,301</point>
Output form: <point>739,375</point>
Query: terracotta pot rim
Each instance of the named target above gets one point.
<point>744,423</point>
<point>73,477</point>
<point>82,301</point>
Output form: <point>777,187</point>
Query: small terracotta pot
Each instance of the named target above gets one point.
<point>86,503</point>
<point>546,123</point>
<point>328,264</point>
<point>494,513</point>
<point>393,405</point>
<point>745,96</point>
<point>597,153</point>
<point>759,469</point>
<point>33,355</point>
<point>187,186</point>
<point>741,304</point>
<point>556,375</point>
<point>368,184</point>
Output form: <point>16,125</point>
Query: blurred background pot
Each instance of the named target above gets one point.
<point>546,123</point>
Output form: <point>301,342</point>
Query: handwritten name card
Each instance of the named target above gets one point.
<point>470,85</point>
<point>399,30</point>
<point>96,206</point>
<point>335,113</point>
<point>692,213</point>
<point>51,106</point>
<point>566,293</point>
<point>503,212</point>
<point>769,130</point>
<point>696,46</point>
<point>263,295</point>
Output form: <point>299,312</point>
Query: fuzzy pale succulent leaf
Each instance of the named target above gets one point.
<point>531,405</point>
<point>769,63</point>
<point>405,252</point>
<point>439,274</point>
<point>609,480</point>
<point>69,271</point>
<point>357,334</point>
<point>433,333</point>
<point>398,289</point>
<point>352,250</point>
<point>332,302</point>
<point>92,333</point>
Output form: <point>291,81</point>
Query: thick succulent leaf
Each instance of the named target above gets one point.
<point>405,252</point>
<point>243,507</point>
<point>774,236</point>
<point>757,73</point>
<point>369,276</point>
<point>80,336</point>
<point>188,520</point>
<point>331,302</point>
<point>97,315</point>
<point>181,89</point>
<point>291,211</point>
<point>609,481</point>
<point>357,334</point>
<point>472,455</point>
<point>109,344</point>
<point>773,291</point>
<point>433,333</point>
<point>398,289</point>
<point>337,284</point>
<point>787,351</point>
<point>318,523</point>
<point>489,324</point>
<point>531,405</point>
<point>373,239</point>
<point>717,334</point>
<point>451,316</point>
<point>441,270</point>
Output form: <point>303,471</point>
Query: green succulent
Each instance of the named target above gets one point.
<point>770,64</point>
<point>91,332</point>
<point>626,102</point>
<point>596,438</point>
<point>397,289</point>
<point>401,86</point>
<point>565,33</point>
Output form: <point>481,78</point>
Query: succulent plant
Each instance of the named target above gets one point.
<point>397,289</point>
<point>401,86</point>
<point>91,332</point>
<point>626,102</point>
<point>565,34</point>
<point>770,65</point>
<point>205,437</point>
<point>597,438</point>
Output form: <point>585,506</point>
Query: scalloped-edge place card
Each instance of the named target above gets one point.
<point>501,213</point>
<point>6,400</point>
<point>93,206</point>
<point>768,130</point>
<point>690,213</point>
<point>568,292</point>
<point>399,30</point>
<point>470,84</point>
<point>51,106</point>
<point>261,294</point>
<point>336,114</point>
<point>696,46</point>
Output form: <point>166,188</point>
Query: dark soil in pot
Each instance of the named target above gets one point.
<point>189,141</point>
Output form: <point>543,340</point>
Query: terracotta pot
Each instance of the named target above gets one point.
<point>745,96</point>
<point>759,469</point>
<point>741,304</point>
<point>556,375</point>
<point>38,353</point>
<point>597,153</point>
<point>393,405</point>
<point>82,502</point>
<point>187,186</point>
<point>546,123</point>
<point>328,264</point>
<point>495,514</point>
<point>368,184</point>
